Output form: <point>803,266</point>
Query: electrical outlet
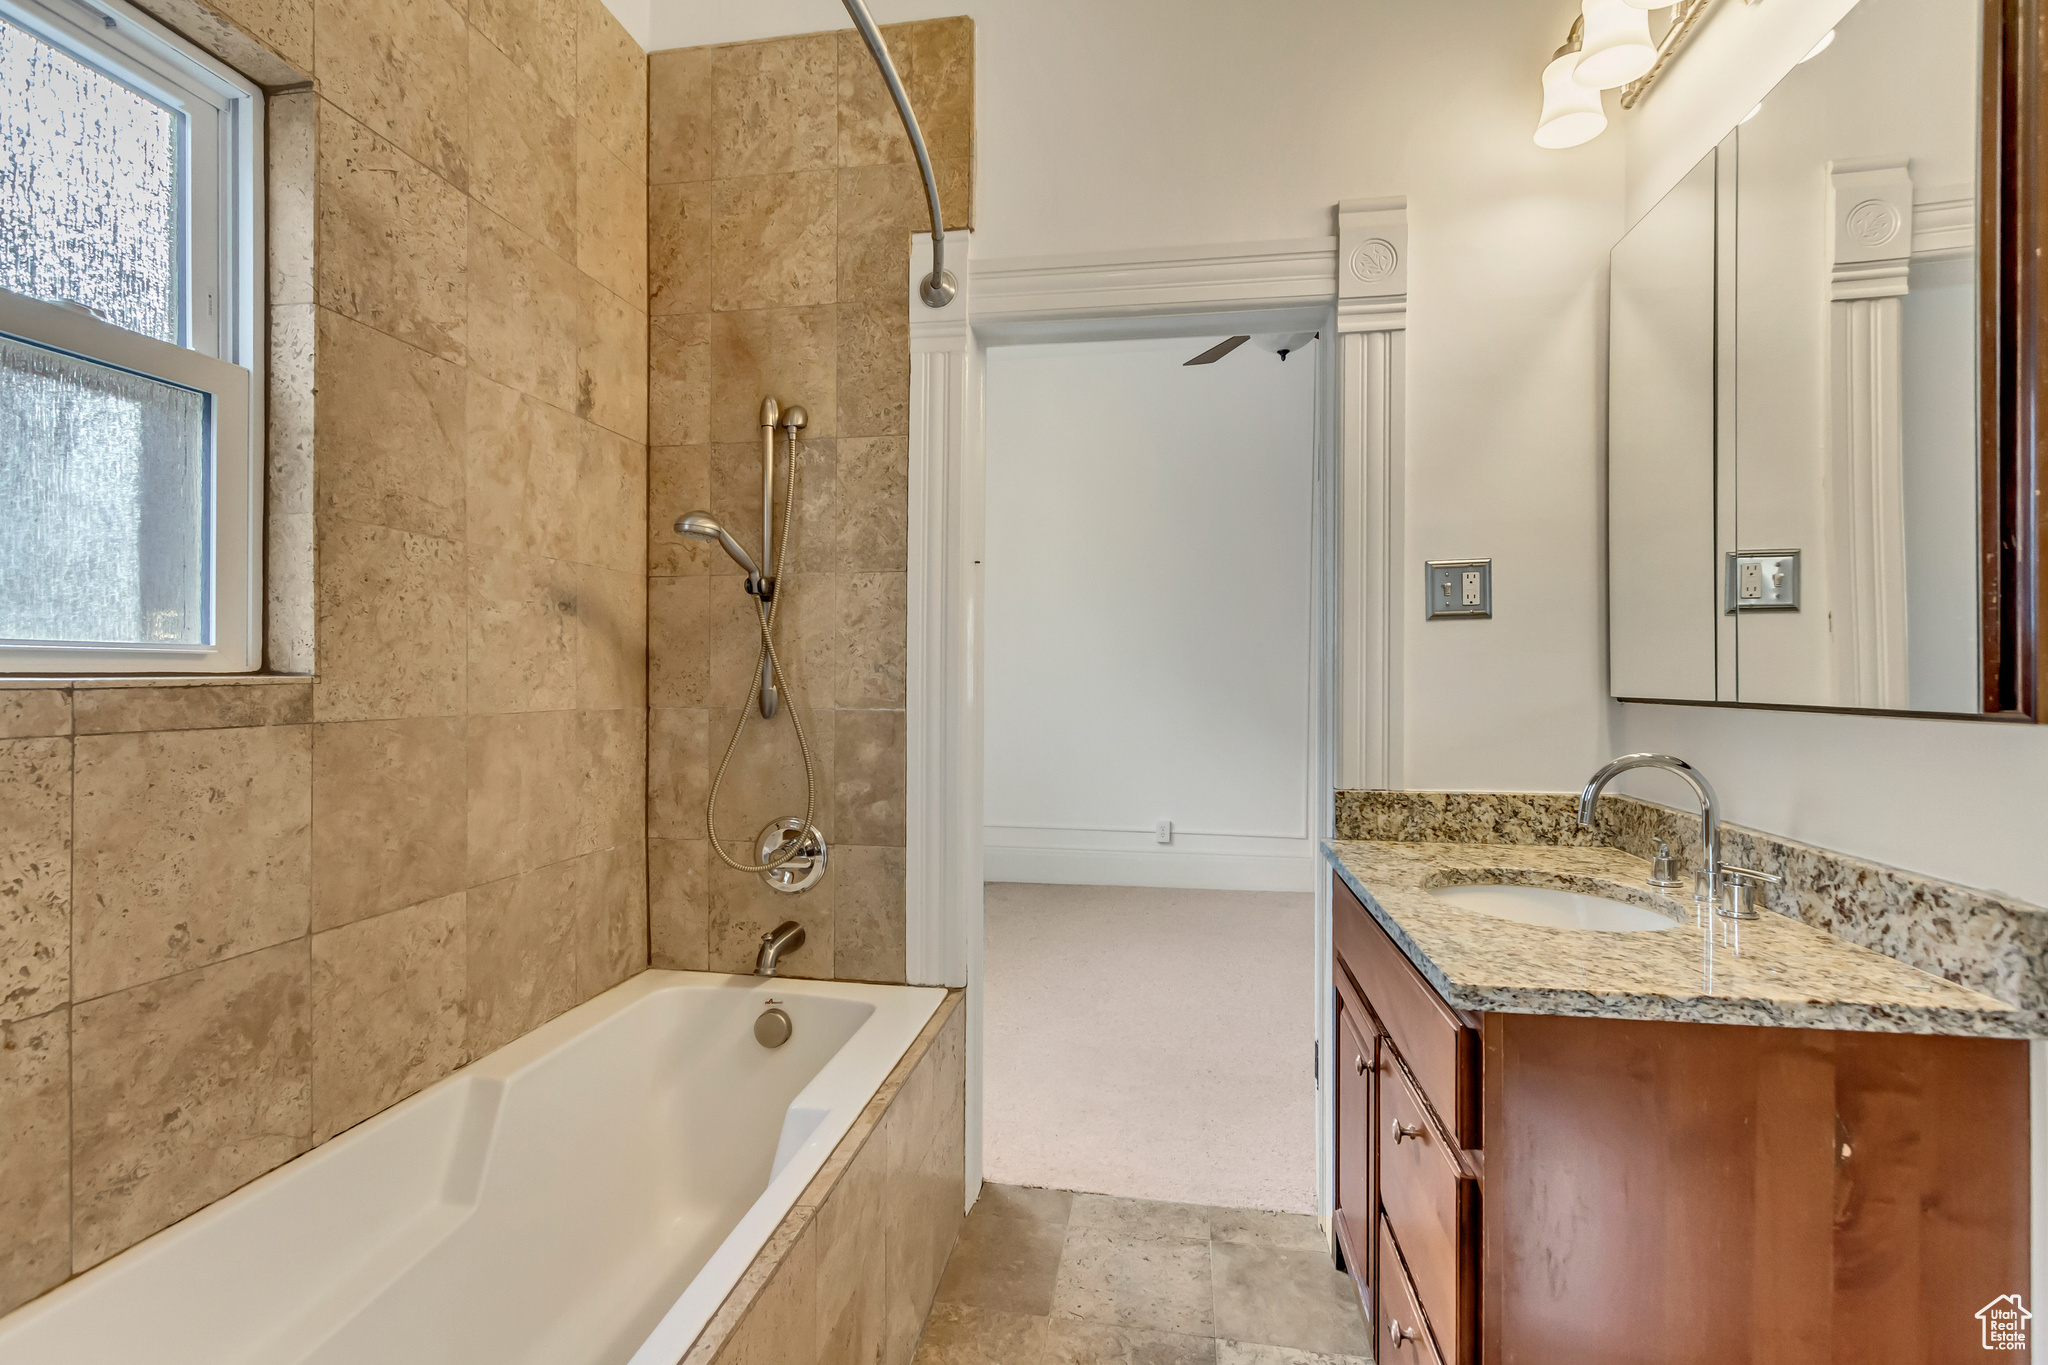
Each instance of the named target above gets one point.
<point>1762,580</point>
<point>1165,831</point>
<point>1458,588</point>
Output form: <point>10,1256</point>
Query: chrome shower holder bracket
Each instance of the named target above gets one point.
<point>802,870</point>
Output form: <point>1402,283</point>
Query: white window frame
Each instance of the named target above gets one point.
<point>220,239</point>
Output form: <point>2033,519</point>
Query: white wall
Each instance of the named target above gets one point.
<point>1147,578</point>
<point>1141,123</point>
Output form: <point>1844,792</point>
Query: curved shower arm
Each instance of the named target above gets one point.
<point>938,288</point>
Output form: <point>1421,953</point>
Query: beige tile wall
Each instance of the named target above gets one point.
<point>237,918</point>
<point>781,198</point>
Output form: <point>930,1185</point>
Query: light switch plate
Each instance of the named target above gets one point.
<point>1458,588</point>
<point>1762,580</point>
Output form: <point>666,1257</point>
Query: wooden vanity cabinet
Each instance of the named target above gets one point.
<point>1627,1191</point>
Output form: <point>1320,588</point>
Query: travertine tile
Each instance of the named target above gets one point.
<point>611,919</point>
<point>814,538</point>
<point>792,353</point>
<point>393,237</point>
<point>958,1334</point>
<point>389,998</point>
<point>735,477</point>
<point>291,156</point>
<point>1252,1353</point>
<point>294,332</point>
<point>868,914</point>
<point>185,1089</point>
<point>1140,1217</point>
<point>1072,1341</point>
<point>192,846</point>
<point>35,876</point>
<point>679,380</point>
<point>1286,1298</point>
<point>389,427</point>
<point>853,1282</point>
<point>777,106</point>
<point>774,242</point>
<point>536,36</point>
<point>1128,1281</point>
<point>29,712</point>
<point>873,610</point>
<point>868,775</point>
<point>523,461</point>
<point>678,771</point>
<point>611,82</point>
<point>611,361</point>
<point>806,638</point>
<point>874,504</point>
<point>681,115</point>
<point>524,774</point>
<point>1261,1227</point>
<point>611,637</point>
<point>678,626</point>
<point>523,311</point>
<point>523,632</point>
<point>678,912</point>
<point>290,610</point>
<point>391,611</point>
<point>742,908</point>
<point>611,219</point>
<point>935,60</point>
<point>765,780</point>
<point>782,1326</point>
<point>1005,1264</point>
<point>194,706</point>
<point>611,500</point>
<point>880,207</point>
<point>1023,1201</point>
<point>678,482</point>
<point>391,816</point>
<point>399,67</point>
<point>35,1156</point>
<point>520,936</point>
<point>286,26</point>
<point>679,248</point>
<point>873,341</point>
<point>522,155</point>
<point>611,788</point>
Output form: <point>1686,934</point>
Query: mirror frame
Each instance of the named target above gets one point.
<point>2013,144</point>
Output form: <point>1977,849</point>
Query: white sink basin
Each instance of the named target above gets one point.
<point>1554,909</point>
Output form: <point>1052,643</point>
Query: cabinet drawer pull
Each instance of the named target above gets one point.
<point>1360,1063</point>
<point>1406,1130</point>
<point>1401,1335</point>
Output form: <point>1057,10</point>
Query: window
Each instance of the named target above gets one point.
<point>130,494</point>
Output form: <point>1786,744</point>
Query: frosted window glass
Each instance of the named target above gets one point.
<point>88,189</point>
<point>102,488</point>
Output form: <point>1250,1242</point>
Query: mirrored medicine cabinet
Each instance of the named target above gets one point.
<point>1823,380</point>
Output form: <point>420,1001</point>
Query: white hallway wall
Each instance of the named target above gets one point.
<point>1147,123</point>
<point>1147,616</point>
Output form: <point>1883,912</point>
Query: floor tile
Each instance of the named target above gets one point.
<point>1276,1297</point>
<point>1004,1263</point>
<point>958,1334</point>
<point>1135,1282</point>
<point>1024,1201</point>
<point>1072,1341</point>
<point>1246,1353</point>
<point>1139,1217</point>
<point>1260,1227</point>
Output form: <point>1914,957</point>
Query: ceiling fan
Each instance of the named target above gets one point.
<point>1280,345</point>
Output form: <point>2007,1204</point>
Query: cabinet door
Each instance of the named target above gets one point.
<point>1357,1126</point>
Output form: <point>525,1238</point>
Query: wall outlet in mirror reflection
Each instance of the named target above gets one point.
<point>1762,580</point>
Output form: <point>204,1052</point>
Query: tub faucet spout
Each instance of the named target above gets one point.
<point>785,937</point>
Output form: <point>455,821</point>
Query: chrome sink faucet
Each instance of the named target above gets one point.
<point>785,937</point>
<point>1710,808</point>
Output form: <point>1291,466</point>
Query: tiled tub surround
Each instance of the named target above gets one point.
<point>1983,942</point>
<point>782,198</point>
<point>237,918</point>
<point>849,1275</point>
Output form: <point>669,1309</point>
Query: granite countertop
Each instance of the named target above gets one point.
<point>1782,972</point>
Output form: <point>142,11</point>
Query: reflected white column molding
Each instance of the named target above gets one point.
<point>1870,210</point>
<point>1372,326</point>
<point>942,860</point>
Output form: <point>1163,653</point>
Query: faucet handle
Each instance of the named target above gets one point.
<point>1663,872</point>
<point>1744,887</point>
<point>1750,874</point>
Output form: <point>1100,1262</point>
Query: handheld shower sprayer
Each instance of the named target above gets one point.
<point>704,526</point>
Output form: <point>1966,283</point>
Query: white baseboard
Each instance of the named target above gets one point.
<point>1100,858</point>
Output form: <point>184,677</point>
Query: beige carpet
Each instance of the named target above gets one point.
<point>1150,1043</point>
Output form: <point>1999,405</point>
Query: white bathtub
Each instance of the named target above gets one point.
<point>588,1194</point>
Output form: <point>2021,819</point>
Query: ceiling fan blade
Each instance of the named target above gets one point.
<point>1217,352</point>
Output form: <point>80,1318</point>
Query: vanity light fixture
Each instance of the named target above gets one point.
<point>1571,112</point>
<point>1616,43</point>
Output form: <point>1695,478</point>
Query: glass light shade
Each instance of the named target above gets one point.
<point>1617,46</point>
<point>1571,112</point>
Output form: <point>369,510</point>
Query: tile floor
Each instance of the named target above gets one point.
<point>1048,1277</point>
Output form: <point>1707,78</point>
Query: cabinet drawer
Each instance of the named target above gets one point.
<point>1439,1049</point>
<point>1401,1332</point>
<point>1434,1212</point>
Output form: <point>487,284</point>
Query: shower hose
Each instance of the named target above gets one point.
<point>769,658</point>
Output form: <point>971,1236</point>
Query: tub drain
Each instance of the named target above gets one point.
<point>773,1028</point>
